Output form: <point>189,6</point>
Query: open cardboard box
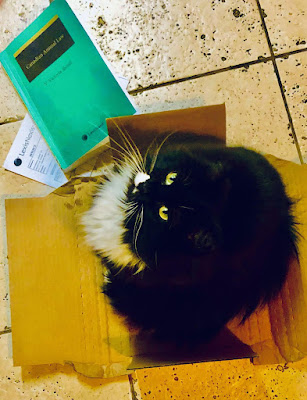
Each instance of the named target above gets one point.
<point>59,314</point>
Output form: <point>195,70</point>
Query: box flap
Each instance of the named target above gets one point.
<point>142,129</point>
<point>54,283</point>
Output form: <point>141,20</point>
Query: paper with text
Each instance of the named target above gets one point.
<point>31,157</point>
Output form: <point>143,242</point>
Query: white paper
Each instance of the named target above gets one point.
<point>30,156</point>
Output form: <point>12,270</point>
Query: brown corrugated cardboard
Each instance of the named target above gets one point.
<point>58,312</point>
<point>278,332</point>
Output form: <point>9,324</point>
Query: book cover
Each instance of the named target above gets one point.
<point>64,82</point>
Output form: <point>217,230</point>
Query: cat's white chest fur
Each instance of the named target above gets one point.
<point>104,222</point>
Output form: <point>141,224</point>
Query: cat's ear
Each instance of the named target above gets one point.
<point>202,241</point>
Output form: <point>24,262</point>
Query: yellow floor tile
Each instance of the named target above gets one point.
<point>11,107</point>
<point>255,112</point>
<point>286,23</point>
<point>16,15</point>
<point>293,72</point>
<point>152,42</point>
<point>233,380</point>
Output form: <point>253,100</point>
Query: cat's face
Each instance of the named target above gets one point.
<point>179,197</point>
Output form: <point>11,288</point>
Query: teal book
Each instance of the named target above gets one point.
<point>65,84</point>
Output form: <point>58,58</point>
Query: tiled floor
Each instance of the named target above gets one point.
<point>250,54</point>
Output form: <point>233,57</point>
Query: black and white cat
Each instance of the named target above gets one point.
<point>192,235</point>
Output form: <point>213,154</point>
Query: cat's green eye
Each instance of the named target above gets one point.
<point>170,178</point>
<point>163,213</point>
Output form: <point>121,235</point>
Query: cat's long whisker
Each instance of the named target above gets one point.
<point>154,160</point>
<point>121,164</point>
<point>130,216</point>
<point>131,211</point>
<point>130,156</point>
<point>138,231</point>
<point>188,208</point>
<point>117,161</point>
<point>128,140</point>
<point>133,150</point>
<point>154,141</point>
<point>186,178</point>
<point>135,224</point>
<point>126,155</point>
<point>131,204</point>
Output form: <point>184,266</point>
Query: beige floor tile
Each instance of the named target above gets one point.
<point>256,116</point>
<point>236,379</point>
<point>286,23</point>
<point>293,71</point>
<point>15,16</point>
<point>11,106</point>
<point>54,382</point>
<point>151,42</point>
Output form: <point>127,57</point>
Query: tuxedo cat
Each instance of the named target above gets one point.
<point>192,234</point>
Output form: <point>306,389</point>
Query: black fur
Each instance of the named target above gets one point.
<point>224,250</point>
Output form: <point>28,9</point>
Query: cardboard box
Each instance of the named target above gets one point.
<point>59,314</point>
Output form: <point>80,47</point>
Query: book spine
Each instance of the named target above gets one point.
<point>26,98</point>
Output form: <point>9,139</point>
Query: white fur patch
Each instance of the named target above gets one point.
<point>104,222</point>
<point>140,177</point>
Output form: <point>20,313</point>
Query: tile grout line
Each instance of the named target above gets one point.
<point>134,387</point>
<point>273,58</point>
<point>290,53</point>
<point>215,71</point>
<point>11,120</point>
<point>197,76</point>
<point>5,331</point>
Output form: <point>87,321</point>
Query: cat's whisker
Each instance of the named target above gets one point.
<point>135,225</point>
<point>127,157</point>
<point>147,151</point>
<point>137,161</point>
<point>131,209</point>
<point>139,228</point>
<point>130,156</point>
<point>130,216</point>
<point>128,140</point>
<point>154,160</point>
<point>130,213</point>
<point>117,161</point>
<point>188,208</point>
<point>132,203</point>
<point>186,178</point>
<point>126,154</point>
